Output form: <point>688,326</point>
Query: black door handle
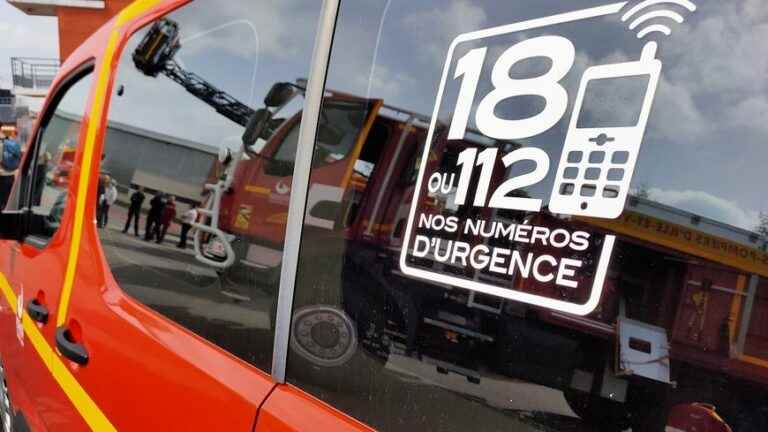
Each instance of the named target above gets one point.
<point>37,311</point>
<point>71,350</point>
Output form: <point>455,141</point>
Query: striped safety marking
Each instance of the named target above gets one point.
<point>87,408</point>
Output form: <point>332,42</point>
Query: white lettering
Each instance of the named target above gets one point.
<point>497,260</point>
<point>479,257</point>
<point>421,240</point>
<point>451,224</point>
<point>505,231</point>
<point>460,251</point>
<point>543,277</point>
<point>473,226</point>
<point>540,233</point>
<point>447,252</point>
<point>580,241</point>
<point>567,269</point>
<point>518,264</point>
<point>566,238</point>
<point>522,233</point>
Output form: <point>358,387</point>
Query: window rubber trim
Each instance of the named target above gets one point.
<point>300,184</point>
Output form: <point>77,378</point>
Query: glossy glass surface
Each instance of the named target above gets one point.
<point>478,262</point>
<point>192,212</point>
<point>48,177</point>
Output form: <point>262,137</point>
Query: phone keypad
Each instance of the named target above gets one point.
<point>574,157</point>
<point>567,189</point>
<point>620,157</point>
<point>611,192</point>
<point>615,174</point>
<point>594,173</point>
<point>597,157</point>
<point>571,173</point>
<point>588,190</point>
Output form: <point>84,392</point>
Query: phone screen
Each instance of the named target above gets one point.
<point>613,102</point>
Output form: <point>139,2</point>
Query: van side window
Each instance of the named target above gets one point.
<point>193,193</point>
<point>561,232</point>
<point>46,177</point>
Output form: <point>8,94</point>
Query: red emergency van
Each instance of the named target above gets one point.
<point>395,215</point>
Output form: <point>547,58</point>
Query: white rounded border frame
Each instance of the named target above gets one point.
<point>609,241</point>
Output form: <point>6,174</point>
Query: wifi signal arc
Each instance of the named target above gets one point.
<point>656,28</point>
<point>660,28</point>
<point>657,14</point>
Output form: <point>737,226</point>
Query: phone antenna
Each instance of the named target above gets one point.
<point>649,50</point>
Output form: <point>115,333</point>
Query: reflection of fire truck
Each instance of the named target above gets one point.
<point>681,320</point>
<point>356,138</point>
<point>692,322</point>
<point>62,165</point>
<point>683,316</point>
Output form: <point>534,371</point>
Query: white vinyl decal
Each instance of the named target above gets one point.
<point>601,190</point>
<point>592,178</point>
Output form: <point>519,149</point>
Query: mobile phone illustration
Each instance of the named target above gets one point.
<point>604,137</point>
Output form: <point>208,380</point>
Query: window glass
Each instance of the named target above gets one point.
<point>46,176</point>
<point>192,200</point>
<point>559,224</point>
<point>287,151</point>
<point>337,133</point>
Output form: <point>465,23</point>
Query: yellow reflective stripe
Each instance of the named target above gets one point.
<point>754,360</point>
<point>87,408</point>
<point>257,189</point>
<point>133,10</point>
<point>85,176</point>
<point>733,316</point>
<point>8,293</point>
<point>277,218</point>
<point>94,123</point>
<point>686,239</point>
<point>361,138</point>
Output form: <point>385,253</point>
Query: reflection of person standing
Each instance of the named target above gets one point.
<point>156,205</point>
<point>10,156</point>
<point>189,217</point>
<point>134,210</point>
<point>169,212</point>
<point>100,198</point>
<point>109,198</point>
<point>41,173</point>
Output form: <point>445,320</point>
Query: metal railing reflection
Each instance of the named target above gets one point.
<point>32,74</point>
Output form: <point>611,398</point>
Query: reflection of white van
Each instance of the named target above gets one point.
<point>324,319</point>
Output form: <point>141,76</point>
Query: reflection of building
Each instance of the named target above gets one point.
<point>7,108</point>
<point>135,156</point>
<point>78,19</point>
<point>33,76</point>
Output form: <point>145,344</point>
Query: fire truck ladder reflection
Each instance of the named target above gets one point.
<point>155,56</point>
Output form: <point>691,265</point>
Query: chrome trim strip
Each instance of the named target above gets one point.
<point>300,184</point>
